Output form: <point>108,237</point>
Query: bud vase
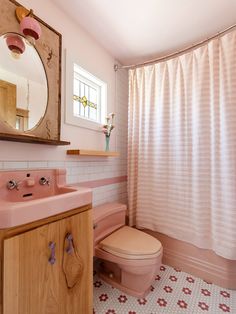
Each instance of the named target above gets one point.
<point>107,143</point>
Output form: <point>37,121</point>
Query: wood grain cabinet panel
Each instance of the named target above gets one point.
<point>38,263</point>
<point>79,299</point>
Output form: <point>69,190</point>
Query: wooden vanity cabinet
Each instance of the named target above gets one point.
<point>47,266</point>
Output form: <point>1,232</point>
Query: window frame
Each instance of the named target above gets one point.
<point>71,67</point>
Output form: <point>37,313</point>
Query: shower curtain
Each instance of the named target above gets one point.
<point>182,146</point>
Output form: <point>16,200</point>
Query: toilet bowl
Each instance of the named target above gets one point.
<point>129,259</point>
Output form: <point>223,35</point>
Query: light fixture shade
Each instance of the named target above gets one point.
<point>30,28</point>
<point>15,44</point>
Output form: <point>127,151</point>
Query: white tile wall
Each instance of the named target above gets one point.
<point>85,169</point>
<point>110,193</point>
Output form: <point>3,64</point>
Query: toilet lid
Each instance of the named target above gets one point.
<point>131,243</point>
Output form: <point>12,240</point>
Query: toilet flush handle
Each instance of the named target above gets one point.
<point>95,226</point>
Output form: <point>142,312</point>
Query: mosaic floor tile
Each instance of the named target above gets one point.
<point>173,292</point>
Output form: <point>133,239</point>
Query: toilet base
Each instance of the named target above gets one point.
<point>122,288</point>
<point>112,274</point>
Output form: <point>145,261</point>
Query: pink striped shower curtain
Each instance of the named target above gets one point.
<point>182,146</point>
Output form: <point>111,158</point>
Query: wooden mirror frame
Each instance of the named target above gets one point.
<point>47,131</point>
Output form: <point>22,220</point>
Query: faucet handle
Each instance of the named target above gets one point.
<point>44,181</point>
<point>12,184</point>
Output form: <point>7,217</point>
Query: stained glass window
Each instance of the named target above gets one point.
<point>87,95</point>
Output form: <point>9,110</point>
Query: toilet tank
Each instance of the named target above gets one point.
<point>106,219</point>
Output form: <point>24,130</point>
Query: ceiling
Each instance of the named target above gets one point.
<point>137,30</point>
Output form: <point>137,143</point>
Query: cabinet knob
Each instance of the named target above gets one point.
<point>52,247</point>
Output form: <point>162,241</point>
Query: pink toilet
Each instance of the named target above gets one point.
<point>129,258</point>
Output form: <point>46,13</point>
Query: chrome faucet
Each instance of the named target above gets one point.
<point>12,184</point>
<point>44,181</point>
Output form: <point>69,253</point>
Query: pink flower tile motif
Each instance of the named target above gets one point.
<point>97,284</point>
<point>224,307</point>
<point>162,268</point>
<point>168,289</point>
<point>103,297</point>
<point>203,306</point>
<point>182,304</point>
<point>206,292</point>
<point>162,302</point>
<point>187,290</point>
<point>190,279</point>
<point>122,298</point>
<point>173,278</point>
<point>188,295</point>
<point>225,294</point>
<point>152,288</point>
<point>142,301</point>
<point>111,312</point>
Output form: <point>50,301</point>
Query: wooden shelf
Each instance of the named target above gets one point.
<point>95,153</point>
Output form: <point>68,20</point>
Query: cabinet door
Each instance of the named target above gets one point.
<point>79,298</point>
<point>30,281</point>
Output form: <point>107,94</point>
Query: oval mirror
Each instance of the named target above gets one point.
<point>23,86</point>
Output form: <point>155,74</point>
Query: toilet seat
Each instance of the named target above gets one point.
<point>130,243</point>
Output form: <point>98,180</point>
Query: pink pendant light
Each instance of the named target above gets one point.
<point>30,28</point>
<point>15,44</point>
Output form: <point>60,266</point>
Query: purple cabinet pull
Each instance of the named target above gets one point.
<point>70,247</point>
<point>52,247</point>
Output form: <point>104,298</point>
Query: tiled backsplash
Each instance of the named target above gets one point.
<point>84,171</point>
<point>77,171</point>
<point>110,193</point>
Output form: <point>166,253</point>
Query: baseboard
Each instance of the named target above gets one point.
<point>202,263</point>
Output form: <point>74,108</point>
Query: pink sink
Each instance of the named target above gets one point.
<point>30,195</point>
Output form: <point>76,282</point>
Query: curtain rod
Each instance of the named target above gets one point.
<point>177,53</point>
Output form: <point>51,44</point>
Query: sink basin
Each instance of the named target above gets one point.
<point>30,201</point>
